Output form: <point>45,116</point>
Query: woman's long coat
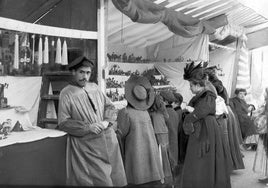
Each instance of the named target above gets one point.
<point>205,165</point>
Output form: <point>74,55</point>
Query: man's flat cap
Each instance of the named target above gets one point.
<point>79,62</point>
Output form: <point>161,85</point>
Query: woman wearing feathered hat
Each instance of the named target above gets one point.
<point>233,136</point>
<point>140,151</point>
<point>205,165</point>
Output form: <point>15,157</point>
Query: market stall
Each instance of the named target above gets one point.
<point>34,42</point>
<point>31,155</point>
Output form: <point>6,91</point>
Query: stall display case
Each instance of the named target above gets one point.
<point>119,72</point>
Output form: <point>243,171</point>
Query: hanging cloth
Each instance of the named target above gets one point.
<point>58,52</point>
<point>16,52</point>
<point>46,59</point>
<point>64,60</point>
<point>145,11</point>
<point>40,51</point>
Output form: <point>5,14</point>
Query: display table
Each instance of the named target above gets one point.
<point>14,115</point>
<point>33,157</point>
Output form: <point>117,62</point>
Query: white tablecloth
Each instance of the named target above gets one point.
<point>30,136</point>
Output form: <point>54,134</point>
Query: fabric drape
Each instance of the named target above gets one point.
<point>24,86</point>
<point>195,48</point>
<point>226,60</point>
<point>174,73</point>
<point>145,11</point>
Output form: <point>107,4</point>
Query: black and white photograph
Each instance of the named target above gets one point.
<point>134,93</point>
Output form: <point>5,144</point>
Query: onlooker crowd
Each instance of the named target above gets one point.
<point>153,140</point>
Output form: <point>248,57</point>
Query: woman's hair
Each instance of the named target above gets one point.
<point>238,90</point>
<point>202,82</point>
<point>179,97</point>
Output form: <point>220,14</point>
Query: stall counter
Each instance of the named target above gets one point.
<point>34,157</point>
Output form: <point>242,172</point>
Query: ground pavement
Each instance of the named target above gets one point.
<point>246,178</point>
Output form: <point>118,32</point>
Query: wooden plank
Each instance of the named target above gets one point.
<point>210,6</point>
<point>42,111</point>
<point>249,19</point>
<point>60,78</point>
<point>11,24</point>
<point>187,9</point>
<point>223,11</point>
<point>216,12</point>
<point>184,4</point>
<point>50,97</point>
<point>256,27</point>
<point>243,11</point>
<point>48,120</point>
<point>163,4</point>
<point>57,73</point>
<point>43,9</point>
<point>173,3</point>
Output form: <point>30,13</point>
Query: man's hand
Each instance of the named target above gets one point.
<point>96,128</point>
<point>251,108</point>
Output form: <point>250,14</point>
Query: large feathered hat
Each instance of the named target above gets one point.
<point>194,72</point>
<point>209,70</point>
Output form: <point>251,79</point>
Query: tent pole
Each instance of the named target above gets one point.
<point>102,41</point>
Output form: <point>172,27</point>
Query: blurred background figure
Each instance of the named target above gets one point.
<point>243,112</point>
<point>172,123</point>
<point>260,164</point>
<point>159,115</point>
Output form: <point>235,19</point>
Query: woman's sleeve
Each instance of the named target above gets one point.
<point>123,122</point>
<point>206,106</point>
<point>110,112</point>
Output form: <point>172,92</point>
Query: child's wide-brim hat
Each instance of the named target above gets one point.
<point>139,92</point>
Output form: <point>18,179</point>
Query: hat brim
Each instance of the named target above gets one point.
<point>139,104</point>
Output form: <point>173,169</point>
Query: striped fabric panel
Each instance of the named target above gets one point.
<point>243,75</point>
